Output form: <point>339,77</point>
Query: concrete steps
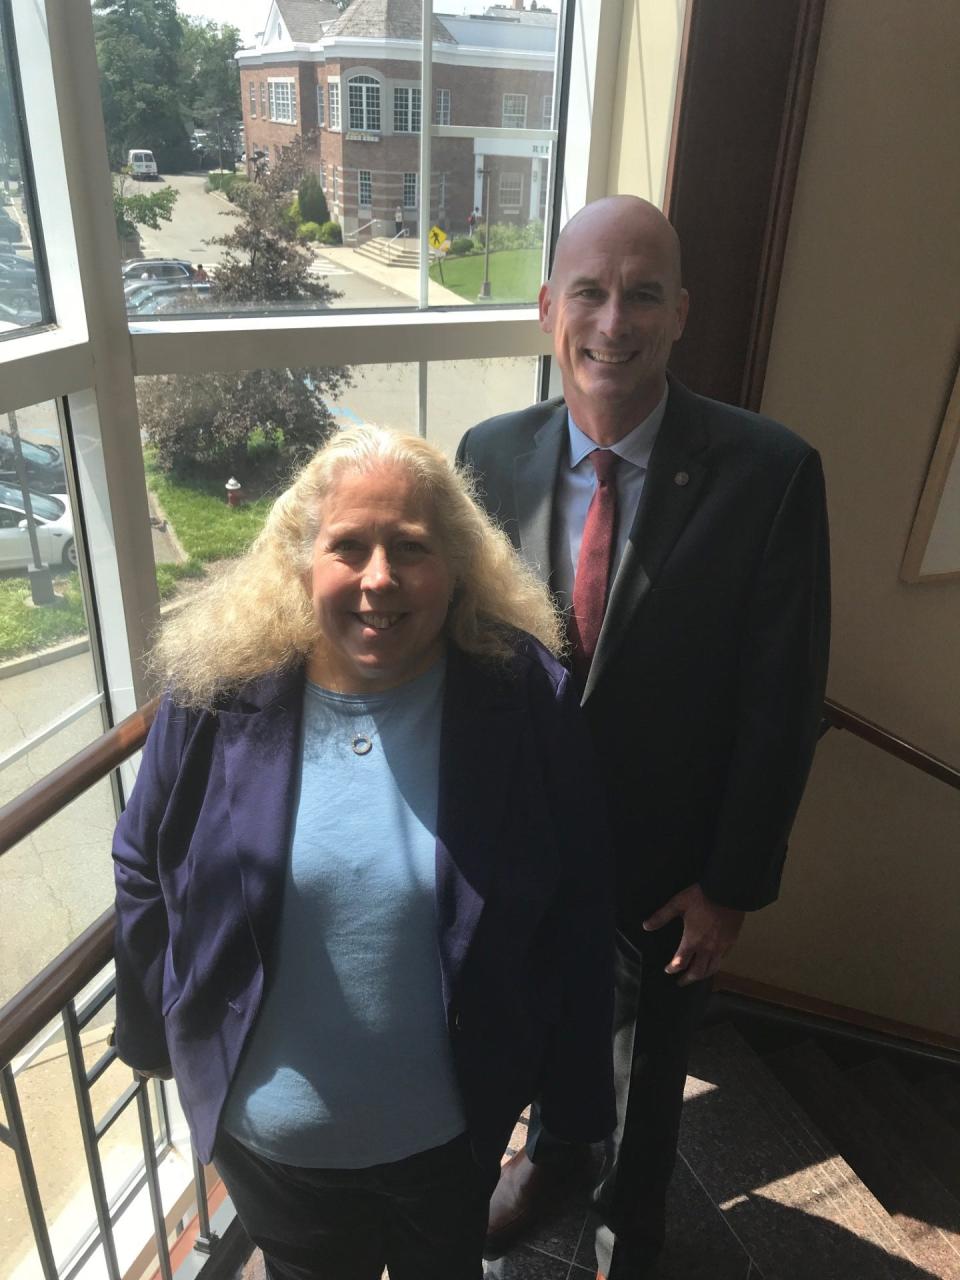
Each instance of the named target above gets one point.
<point>392,253</point>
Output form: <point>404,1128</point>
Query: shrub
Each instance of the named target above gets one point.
<point>313,203</point>
<point>479,237</point>
<point>228,183</point>
<point>461,244</point>
<point>309,231</point>
<point>330,233</point>
<point>292,214</point>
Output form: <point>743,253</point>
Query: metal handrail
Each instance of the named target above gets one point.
<point>355,235</point>
<point>840,717</point>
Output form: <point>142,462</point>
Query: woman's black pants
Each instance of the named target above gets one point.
<point>423,1217</point>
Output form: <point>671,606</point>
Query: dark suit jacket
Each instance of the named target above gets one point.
<point>523,916</point>
<point>705,694</point>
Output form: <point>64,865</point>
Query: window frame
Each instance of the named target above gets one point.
<point>410,199</point>
<point>79,361</point>
<point>408,107</point>
<point>321,104</point>
<point>364,179</point>
<point>370,106</point>
<point>442,107</point>
<point>333,102</point>
<point>514,119</point>
<point>282,87</point>
<point>510,206</point>
<point>252,86</point>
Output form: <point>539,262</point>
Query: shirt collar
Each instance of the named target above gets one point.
<point>635,447</point>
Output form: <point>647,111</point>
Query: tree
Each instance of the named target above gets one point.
<point>262,421</point>
<point>264,260</point>
<point>138,52</point>
<point>258,423</point>
<point>313,203</point>
<point>209,75</point>
<point>140,208</point>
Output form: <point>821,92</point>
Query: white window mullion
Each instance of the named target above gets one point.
<point>105,424</point>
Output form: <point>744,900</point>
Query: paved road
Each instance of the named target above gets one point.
<point>199,215</point>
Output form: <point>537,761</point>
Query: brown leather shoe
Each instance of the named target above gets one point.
<point>523,1195</point>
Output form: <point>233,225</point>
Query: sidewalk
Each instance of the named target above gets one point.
<point>405,280</point>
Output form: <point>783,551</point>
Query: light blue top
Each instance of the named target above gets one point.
<point>349,1063</point>
<point>577,482</point>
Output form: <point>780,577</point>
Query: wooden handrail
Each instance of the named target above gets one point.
<point>841,717</point>
<point>28,1012</point>
<point>25,812</point>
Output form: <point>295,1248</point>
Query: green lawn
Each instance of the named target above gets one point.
<point>25,627</point>
<point>207,528</point>
<point>515,275</point>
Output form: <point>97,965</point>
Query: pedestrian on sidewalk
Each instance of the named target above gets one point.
<point>398,220</point>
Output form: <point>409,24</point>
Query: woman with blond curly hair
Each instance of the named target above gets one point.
<point>362,902</point>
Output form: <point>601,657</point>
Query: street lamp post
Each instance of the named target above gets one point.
<point>484,173</point>
<point>39,574</point>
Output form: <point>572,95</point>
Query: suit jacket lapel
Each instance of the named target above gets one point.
<point>535,479</point>
<point>479,740</point>
<point>670,494</point>
<point>261,762</point>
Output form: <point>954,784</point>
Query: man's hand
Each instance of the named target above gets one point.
<point>709,931</point>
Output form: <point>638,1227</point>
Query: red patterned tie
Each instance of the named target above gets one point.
<point>592,579</point>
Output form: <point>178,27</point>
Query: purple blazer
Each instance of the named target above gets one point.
<point>524,916</point>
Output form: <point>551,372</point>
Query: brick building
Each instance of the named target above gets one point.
<point>350,81</point>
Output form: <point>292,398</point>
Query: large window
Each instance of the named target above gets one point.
<point>363,98</point>
<point>441,108</point>
<point>283,102</point>
<point>406,110</point>
<point>511,192</point>
<point>514,111</point>
<point>365,188</point>
<point>334,89</point>
<point>409,190</point>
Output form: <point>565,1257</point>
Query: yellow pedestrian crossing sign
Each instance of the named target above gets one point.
<point>437,237</point>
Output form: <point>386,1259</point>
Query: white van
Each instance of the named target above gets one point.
<point>142,164</point>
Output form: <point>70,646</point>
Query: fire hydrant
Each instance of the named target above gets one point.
<point>234,489</point>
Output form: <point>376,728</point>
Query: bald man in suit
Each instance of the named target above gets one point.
<point>687,541</point>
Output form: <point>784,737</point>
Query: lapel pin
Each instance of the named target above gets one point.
<point>681,478</point>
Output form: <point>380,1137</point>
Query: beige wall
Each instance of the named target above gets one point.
<point>863,357</point>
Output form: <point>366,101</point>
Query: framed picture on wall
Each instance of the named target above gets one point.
<point>933,548</point>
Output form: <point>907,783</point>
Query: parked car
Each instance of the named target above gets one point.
<point>169,296</point>
<point>142,165</point>
<point>18,312</point>
<point>17,272</point>
<point>135,269</point>
<point>54,526</point>
<point>9,227</point>
<point>43,463</point>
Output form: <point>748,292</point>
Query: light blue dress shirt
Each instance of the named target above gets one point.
<point>577,483</point>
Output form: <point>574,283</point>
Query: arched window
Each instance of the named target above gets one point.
<point>363,101</point>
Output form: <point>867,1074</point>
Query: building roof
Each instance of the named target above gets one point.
<point>393,19</point>
<point>304,18</point>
